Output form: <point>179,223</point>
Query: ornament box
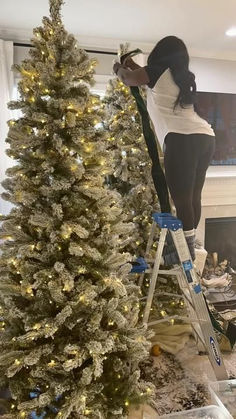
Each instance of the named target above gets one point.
<point>208,412</point>
<point>223,394</point>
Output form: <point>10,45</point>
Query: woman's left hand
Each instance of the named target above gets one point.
<point>116,67</point>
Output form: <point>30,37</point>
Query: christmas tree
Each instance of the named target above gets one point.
<point>132,165</point>
<point>70,339</point>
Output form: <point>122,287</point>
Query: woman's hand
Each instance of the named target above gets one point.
<point>129,63</point>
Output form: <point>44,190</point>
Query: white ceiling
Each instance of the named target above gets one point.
<point>103,23</point>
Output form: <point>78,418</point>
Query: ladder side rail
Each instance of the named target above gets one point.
<point>147,251</point>
<point>154,276</point>
<point>201,311</point>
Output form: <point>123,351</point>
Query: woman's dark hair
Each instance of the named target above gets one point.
<point>171,52</point>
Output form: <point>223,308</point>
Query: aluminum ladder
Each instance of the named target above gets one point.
<point>188,279</point>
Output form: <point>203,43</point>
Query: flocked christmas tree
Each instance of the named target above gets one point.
<point>132,165</point>
<point>70,341</point>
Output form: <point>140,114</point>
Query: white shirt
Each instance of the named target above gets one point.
<point>160,104</point>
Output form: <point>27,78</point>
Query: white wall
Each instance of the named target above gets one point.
<point>214,75</point>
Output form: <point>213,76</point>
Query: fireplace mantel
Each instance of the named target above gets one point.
<point>218,195</point>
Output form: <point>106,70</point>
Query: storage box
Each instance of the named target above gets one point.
<point>223,393</point>
<point>209,412</point>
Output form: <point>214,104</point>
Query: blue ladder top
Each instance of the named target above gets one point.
<point>167,220</point>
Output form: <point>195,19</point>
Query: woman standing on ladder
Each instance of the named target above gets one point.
<point>188,141</point>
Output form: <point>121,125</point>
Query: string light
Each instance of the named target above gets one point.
<point>37,326</point>
<point>29,291</point>
<point>73,167</point>
<point>66,288</point>
<point>163,313</point>
<point>126,403</point>
<point>17,362</point>
<point>51,363</point>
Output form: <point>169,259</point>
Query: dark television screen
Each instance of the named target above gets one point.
<point>219,109</point>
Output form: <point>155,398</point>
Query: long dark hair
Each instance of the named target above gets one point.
<point>171,52</point>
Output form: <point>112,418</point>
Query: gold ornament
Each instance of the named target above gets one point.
<point>156,350</point>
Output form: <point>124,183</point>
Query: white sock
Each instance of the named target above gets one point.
<point>189,233</point>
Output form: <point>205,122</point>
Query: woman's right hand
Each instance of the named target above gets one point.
<point>129,62</point>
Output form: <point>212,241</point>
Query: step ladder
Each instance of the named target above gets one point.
<point>188,279</point>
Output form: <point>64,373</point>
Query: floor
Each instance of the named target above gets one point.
<point>197,366</point>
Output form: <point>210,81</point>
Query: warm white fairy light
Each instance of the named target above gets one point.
<point>52,363</point>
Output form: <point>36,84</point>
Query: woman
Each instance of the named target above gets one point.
<point>188,141</point>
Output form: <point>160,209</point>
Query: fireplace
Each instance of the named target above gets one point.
<point>220,237</point>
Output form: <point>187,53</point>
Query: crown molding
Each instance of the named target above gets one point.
<point>106,44</point>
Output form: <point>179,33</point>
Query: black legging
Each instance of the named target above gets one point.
<point>186,159</point>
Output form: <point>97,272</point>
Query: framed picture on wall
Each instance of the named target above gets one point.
<point>219,109</point>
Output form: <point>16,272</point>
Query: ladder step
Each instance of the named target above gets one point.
<point>167,220</point>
